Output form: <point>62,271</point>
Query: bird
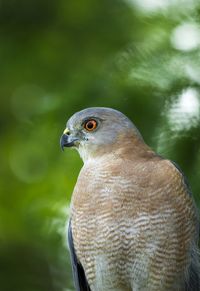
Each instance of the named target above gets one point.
<point>133,222</point>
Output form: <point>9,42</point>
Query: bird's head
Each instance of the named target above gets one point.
<point>98,130</point>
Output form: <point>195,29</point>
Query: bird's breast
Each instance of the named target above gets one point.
<point>127,229</point>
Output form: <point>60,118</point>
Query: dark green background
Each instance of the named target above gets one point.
<point>58,57</point>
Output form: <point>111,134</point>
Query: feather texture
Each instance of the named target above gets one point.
<point>134,225</point>
<point>80,280</point>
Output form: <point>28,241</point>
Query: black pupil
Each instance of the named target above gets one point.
<point>90,125</point>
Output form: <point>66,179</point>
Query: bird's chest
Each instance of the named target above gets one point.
<point>111,245</point>
<point>106,235</point>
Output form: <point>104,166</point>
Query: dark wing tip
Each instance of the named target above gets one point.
<point>193,283</point>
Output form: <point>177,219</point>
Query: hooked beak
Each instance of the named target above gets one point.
<point>67,140</point>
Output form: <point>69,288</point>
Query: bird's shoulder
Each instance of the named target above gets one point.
<point>172,174</point>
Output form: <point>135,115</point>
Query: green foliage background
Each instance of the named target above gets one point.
<point>58,57</point>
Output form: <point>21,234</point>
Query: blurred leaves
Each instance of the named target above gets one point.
<point>58,57</point>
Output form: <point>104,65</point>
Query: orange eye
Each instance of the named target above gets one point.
<point>90,125</point>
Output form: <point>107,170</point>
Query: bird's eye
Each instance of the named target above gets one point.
<point>90,125</point>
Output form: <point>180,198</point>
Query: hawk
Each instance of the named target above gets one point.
<point>133,223</point>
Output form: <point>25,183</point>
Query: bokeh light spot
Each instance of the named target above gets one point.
<point>186,37</point>
<point>152,5</point>
<point>184,113</point>
<point>156,6</point>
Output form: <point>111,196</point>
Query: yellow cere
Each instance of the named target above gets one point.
<point>66,131</point>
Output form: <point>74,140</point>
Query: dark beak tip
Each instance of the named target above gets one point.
<point>62,144</point>
<point>67,141</point>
